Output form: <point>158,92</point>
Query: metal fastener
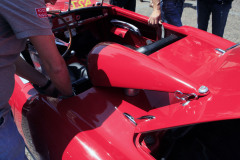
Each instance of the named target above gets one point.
<point>203,89</point>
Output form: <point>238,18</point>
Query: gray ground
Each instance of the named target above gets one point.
<point>232,30</point>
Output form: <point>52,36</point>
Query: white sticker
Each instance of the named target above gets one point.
<point>67,19</point>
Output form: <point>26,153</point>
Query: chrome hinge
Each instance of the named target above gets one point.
<point>185,98</point>
<point>224,51</point>
<point>131,118</point>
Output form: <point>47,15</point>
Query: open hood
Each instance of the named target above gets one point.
<point>169,69</point>
<point>221,103</point>
<point>111,64</point>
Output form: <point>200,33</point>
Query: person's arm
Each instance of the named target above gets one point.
<point>155,17</point>
<point>53,63</point>
<point>25,70</point>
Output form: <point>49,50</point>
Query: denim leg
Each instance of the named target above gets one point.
<point>180,4</point>
<point>171,11</point>
<point>12,146</point>
<point>203,14</point>
<point>219,18</point>
<point>162,12</point>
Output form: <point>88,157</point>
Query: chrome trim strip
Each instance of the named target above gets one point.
<point>232,47</point>
<point>224,51</point>
<point>147,117</point>
<point>220,50</point>
<point>128,116</point>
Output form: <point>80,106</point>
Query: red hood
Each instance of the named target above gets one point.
<point>184,65</point>
<point>222,77</point>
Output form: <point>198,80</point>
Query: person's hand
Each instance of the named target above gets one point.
<point>51,91</point>
<point>48,89</point>
<point>155,18</point>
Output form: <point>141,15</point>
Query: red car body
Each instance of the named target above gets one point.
<point>134,99</point>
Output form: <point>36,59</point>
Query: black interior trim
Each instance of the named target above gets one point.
<point>151,48</point>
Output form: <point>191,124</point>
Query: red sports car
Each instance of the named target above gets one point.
<point>142,93</point>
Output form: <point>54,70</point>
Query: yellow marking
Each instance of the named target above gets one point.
<point>80,3</point>
<point>87,3</point>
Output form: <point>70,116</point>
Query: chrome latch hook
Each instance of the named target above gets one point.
<point>185,98</point>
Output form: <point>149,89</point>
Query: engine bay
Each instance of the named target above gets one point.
<point>213,140</point>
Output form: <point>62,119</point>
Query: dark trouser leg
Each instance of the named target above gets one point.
<point>12,146</point>
<point>118,3</point>
<point>172,12</point>
<point>126,4</point>
<point>180,4</point>
<point>130,5</point>
<point>203,12</point>
<point>219,18</point>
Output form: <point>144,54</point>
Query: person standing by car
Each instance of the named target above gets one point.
<point>20,20</point>
<point>126,4</point>
<point>169,11</point>
<point>219,10</point>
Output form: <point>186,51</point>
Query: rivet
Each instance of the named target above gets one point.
<point>203,89</point>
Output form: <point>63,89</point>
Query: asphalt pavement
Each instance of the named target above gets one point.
<point>189,17</point>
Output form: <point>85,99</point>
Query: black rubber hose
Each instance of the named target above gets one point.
<point>151,48</point>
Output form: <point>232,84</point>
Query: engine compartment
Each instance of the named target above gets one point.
<point>212,140</point>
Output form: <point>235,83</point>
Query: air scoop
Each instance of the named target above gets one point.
<point>114,65</point>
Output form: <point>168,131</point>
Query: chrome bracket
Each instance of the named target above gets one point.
<point>147,117</point>
<point>224,51</point>
<point>131,118</point>
<point>185,98</point>
<point>221,51</point>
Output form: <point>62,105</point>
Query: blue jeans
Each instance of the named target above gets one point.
<point>12,146</point>
<point>219,13</point>
<point>171,11</point>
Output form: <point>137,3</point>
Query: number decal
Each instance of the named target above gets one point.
<point>80,3</point>
<point>74,4</point>
<point>88,2</point>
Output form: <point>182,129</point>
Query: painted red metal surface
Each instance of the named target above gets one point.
<point>221,104</point>
<point>92,124</point>
<point>118,66</point>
